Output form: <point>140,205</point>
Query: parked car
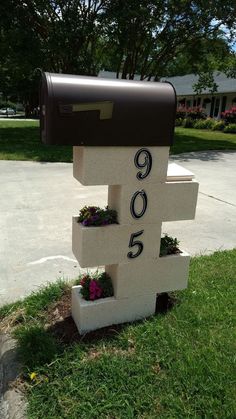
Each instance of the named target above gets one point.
<point>7,111</point>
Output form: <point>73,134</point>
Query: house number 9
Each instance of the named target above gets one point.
<point>145,163</point>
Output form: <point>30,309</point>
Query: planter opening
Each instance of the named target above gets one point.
<point>96,216</point>
<point>169,246</point>
<point>98,285</point>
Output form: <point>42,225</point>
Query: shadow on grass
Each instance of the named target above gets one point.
<point>39,346</point>
<point>23,143</point>
<point>66,331</point>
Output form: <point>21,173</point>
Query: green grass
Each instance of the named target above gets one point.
<point>37,302</point>
<point>190,139</point>
<point>177,365</point>
<point>36,346</point>
<point>19,140</point>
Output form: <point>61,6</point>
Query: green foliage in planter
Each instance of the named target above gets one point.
<point>95,216</point>
<point>208,123</point>
<point>96,286</point>
<point>230,128</point>
<point>169,245</point>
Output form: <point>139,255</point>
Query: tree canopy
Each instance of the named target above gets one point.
<point>152,38</point>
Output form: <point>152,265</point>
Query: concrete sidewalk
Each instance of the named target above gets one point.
<point>39,199</point>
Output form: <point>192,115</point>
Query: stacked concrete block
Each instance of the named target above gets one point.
<point>144,197</point>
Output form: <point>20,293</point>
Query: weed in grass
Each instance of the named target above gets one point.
<point>12,320</point>
<point>36,346</point>
<point>9,309</point>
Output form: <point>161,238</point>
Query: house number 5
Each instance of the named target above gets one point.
<point>142,160</point>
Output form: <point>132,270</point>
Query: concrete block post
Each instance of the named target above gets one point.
<point>143,197</point>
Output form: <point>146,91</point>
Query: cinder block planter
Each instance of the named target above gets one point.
<point>115,165</point>
<point>169,201</point>
<point>130,250</point>
<point>92,315</point>
<point>166,273</point>
<point>96,246</point>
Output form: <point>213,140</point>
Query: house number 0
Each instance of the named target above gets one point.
<point>142,160</point>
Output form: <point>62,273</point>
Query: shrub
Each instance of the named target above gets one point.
<point>196,113</point>
<point>188,123</point>
<point>229,116</point>
<point>169,245</point>
<point>95,216</point>
<point>193,113</point>
<point>181,112</point>
<point>230,128</point>
<point>96,286</point>
<point>219,126</point>
<point>178,122</point>
<point>208,123</point>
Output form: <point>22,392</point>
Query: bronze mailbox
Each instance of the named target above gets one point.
<point>91,111</point>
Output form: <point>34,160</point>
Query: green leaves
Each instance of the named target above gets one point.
<point>169,245</point>
<point>96,286</point>
<point>151,38</point>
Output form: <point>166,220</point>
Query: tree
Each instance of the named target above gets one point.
<point>57,36</point>
<point>152,38</point>
<point>147,36</point>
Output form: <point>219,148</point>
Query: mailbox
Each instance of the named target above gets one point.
<point>121,132</point>
<point>92,111</point>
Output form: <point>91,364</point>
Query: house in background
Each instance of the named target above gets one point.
<point>213,103</point>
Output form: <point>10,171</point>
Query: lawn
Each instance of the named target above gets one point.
<point>190,139</point>
<point>19,140</point>
<point>180,364</point>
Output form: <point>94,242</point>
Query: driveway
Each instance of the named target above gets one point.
<point>39,199</point>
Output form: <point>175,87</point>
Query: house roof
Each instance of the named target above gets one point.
<point>184,84</point>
